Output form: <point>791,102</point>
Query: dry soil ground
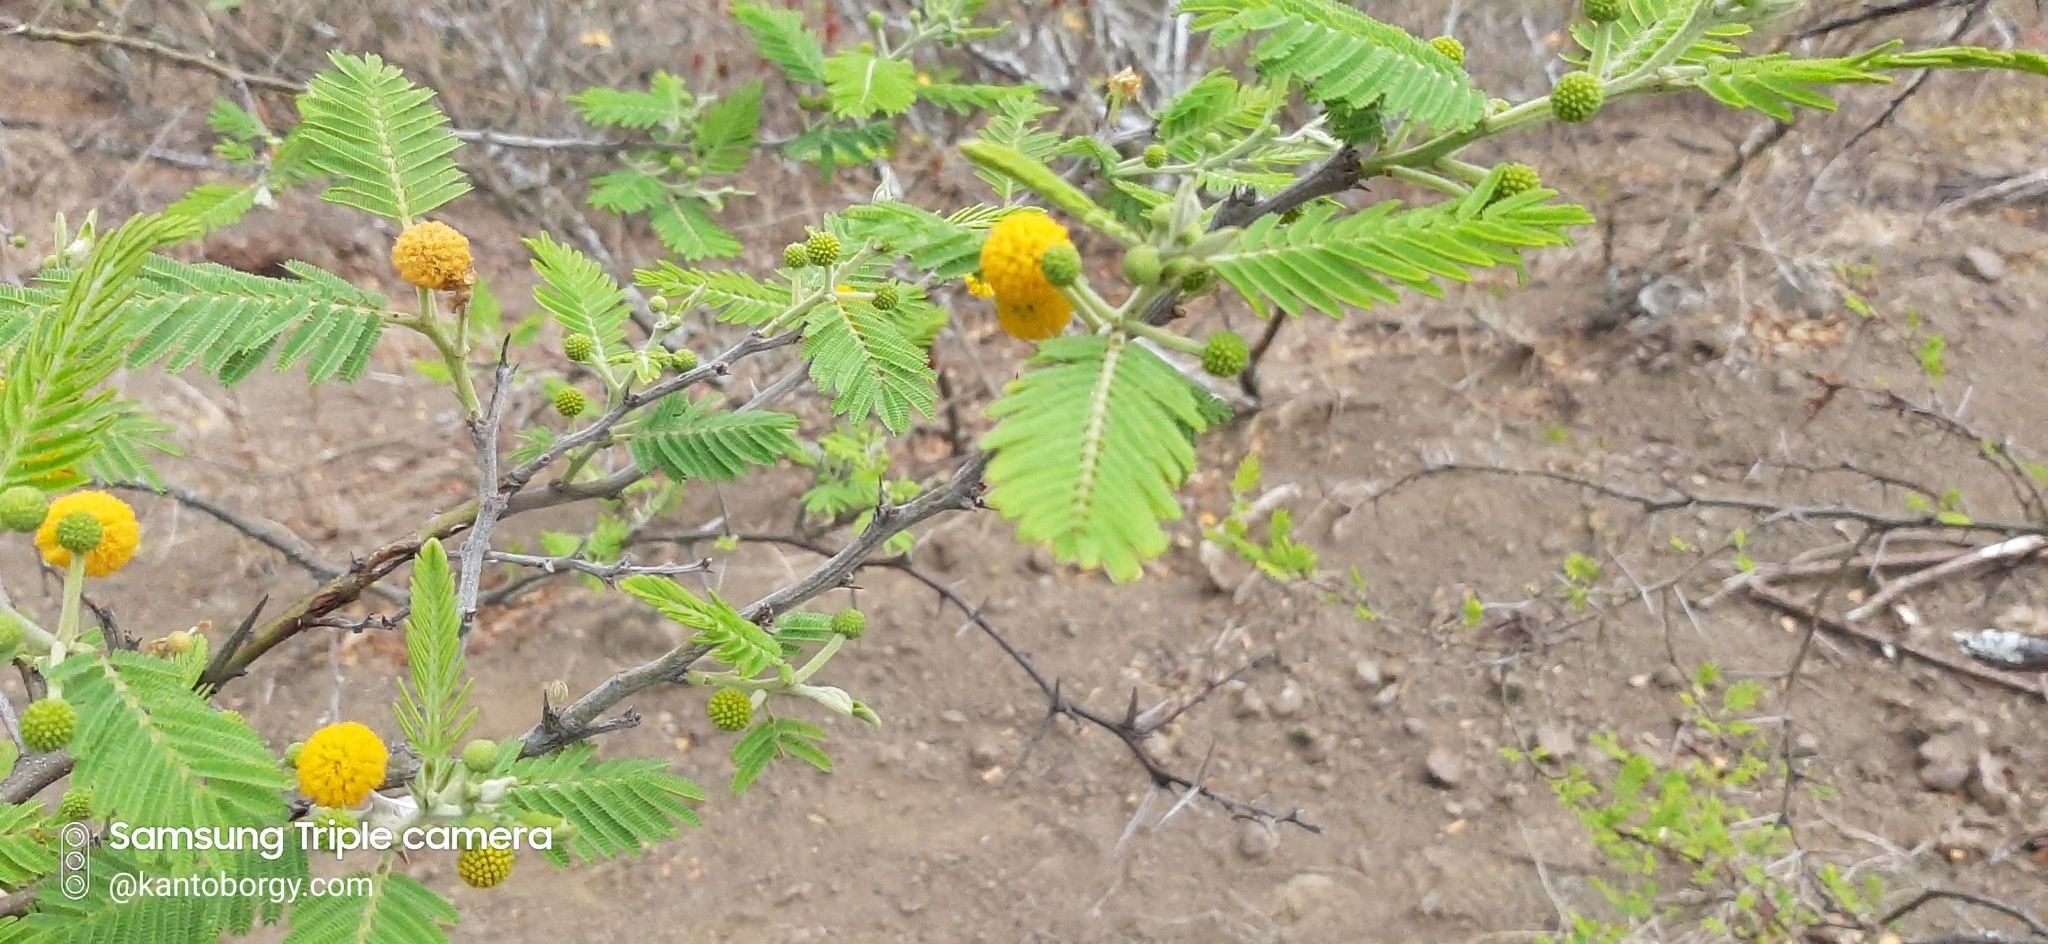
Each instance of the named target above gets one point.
<point>937,828</point>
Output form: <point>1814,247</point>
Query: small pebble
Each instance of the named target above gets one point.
<point>1256,840</point>
<point>1444,768</point>
<point>1290,702</point>
<point>1982,264</point>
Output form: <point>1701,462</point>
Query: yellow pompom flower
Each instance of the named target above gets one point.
<point>432,255</point>
<point>120,533</point>
<point>1028,306</point>
<point>341,764</point>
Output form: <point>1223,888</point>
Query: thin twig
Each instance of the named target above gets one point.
<point>2008,550</point>
<point>491,497</point>
<point>1779,599</point>
<point>580,720</point>
<point>609,573</point>
<point>159,50</point>
<point>1931,895</point>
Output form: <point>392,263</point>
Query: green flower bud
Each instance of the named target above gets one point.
<point>1450,47</point>
<point>10,635</point>
<point>1155,156</point>
<point>80,532</point>
<point>480,756</point>
<point>794,256</point>
<point>1225,354</point>
<point>1577,97</point>
<point>850,623</point>
<point>22,508</point>
<point>1516,179</point>
<point>887,297</point>
<point>1061,264</point>
<point>76,807</point>
<point>48,724</point>
<point>1602,11</point>
<point>682,360</point>
<point>1141,265</point>
<point>580,348</point>
<point>730,709</point>
<point>571,402</point>
<point>822,248</point>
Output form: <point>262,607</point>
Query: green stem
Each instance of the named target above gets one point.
<point>452,355</point>
<point>1162,337</point>
<point>1427,179</point>
<point>818,661</point>
<point>1094,311</point>
<point>1469,173</point>
<point>74,592</point>
<point>34,638</point>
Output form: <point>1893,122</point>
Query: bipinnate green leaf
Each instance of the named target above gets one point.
<point>862,84</point>
<point>433,701</point>
<point>618,807</point>
<point>1344,56</point>
<point>380,138</point>
<point>692,441</point>
<point>157,753</point>
<point>734,641</point>
<point>399,910</point>
<point>781,38</point>
<point>52,410</point>
<point>1090,445</point>
<point>862,358</point>
<point>1330,258</point>
<point>580,296</point>
<point>772,740</point>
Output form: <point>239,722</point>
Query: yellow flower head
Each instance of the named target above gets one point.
<point>432,256</point>
<point>978,288</point>
<point>341,764</point>
<point>1028,306</point>
<point>120,533</point>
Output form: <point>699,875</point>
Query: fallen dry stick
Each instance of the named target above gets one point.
<point>2011,549</point>
<point>1778,599</point>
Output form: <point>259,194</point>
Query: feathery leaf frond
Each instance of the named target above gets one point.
<point>734,640</point>
<point>735,296</point>
<point>1091,443</point>
<point>381,138</point>
<point>583,299</point>
<point>690,441</point>
<point>398,910</point>
<point>862,358</point>
<point>946,246</point>
<point>771,740</point>
<point>1325,261</point>
<point>154,752</point>
<point>228,321</point>
<point>26,852</point>
<point>617,806</point>
<point>1344,56</point>
<point>780,37</point>
<point>431,707</point>
<point>51,412</point>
